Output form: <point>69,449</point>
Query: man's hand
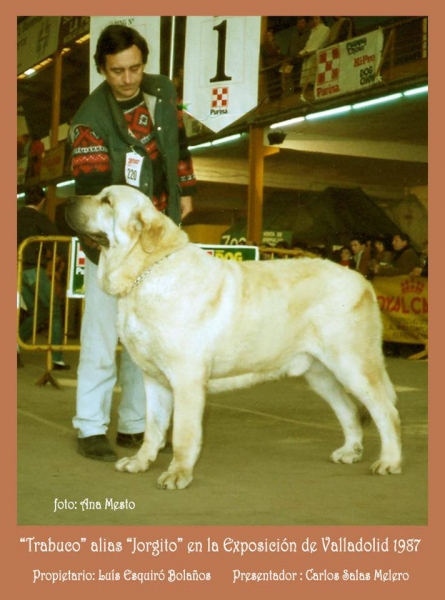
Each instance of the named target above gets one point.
<point>186,206</point>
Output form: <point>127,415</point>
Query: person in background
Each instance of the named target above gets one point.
<point>36,152</point>
<point>297,41</point>
<point>382,254</point>
<point>362,255</point>
<point>31,222</point>
<point>25,145</point>
<point>271,55</point>
<point>346,259</point>
<point>130,116</point>
<point>405,258</point>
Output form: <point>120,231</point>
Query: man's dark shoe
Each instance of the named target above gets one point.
<point>96,447</point>
<point>129,440</point>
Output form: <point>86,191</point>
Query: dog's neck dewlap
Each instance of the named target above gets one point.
<point>143,275</point>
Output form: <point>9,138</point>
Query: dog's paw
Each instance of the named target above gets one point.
<point>131,464</point>
<point>348,454</point>
<point>381,467</point>
<point>175,480</point>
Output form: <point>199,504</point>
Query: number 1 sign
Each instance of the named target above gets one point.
<point>221,68</point>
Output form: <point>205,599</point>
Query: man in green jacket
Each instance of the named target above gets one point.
<point>128,131</point>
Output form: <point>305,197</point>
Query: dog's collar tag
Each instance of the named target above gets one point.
<point>133,167</point>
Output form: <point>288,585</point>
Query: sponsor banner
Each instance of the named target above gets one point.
<point>75,288</point>
<point>37,39</point>
<point>221,68</point>
<point>403,303</point>
<point>148,27</point>
<point>348,66</point>
<point>272,238</point>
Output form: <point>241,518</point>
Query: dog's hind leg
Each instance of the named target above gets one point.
<point>368,381</point>
<point>189,400</point>
<point>326,385</point>
<point>159,399</point>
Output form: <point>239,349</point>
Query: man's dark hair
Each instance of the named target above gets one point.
<point>403,236</point>
<point>117,38</point>
<point>34,195</point>
<point>360,238</point>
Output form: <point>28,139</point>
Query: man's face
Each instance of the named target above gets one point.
<point>301,24</point>
<point>398,243</point>
<point>356,247</point>
<point>123,72</point>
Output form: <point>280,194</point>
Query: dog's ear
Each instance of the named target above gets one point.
<point>152,229</point>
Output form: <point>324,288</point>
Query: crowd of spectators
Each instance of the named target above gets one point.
<point>289,55</point>
<point>381,255</point>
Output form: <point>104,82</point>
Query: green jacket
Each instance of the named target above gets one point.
<point>102,114</point>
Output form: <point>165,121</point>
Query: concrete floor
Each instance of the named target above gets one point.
<point>265,461</point>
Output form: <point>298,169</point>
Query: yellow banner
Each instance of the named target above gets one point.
<point>403,305</point>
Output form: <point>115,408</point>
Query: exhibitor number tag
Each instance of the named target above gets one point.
<point>133,166</point>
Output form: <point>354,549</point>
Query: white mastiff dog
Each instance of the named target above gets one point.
<point>195,323</point>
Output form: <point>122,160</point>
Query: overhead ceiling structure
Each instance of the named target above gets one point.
<point>382,149</point>
<point>394,131</point>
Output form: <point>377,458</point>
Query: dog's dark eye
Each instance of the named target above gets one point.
<point>105,200</point>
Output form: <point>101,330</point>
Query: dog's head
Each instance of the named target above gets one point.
<point>124,222</point>
<point>116,216</point>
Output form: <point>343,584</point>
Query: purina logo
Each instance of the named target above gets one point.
<point>80,258</point>
<point>220,101</point>
<point>329,66</point>
<point>412,286</point>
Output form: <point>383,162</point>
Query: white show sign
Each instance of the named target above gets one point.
<point>221,68</point>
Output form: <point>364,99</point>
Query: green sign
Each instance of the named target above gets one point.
<point>232,252</point>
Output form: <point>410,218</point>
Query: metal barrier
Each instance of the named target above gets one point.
<point>271,253</point>
<point>56,246</point>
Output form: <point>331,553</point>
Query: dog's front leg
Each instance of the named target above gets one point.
<point>189,400</point>
<point>159,401</point>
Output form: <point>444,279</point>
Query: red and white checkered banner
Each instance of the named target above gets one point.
<point>348,66</point>
<point>221,68</point>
